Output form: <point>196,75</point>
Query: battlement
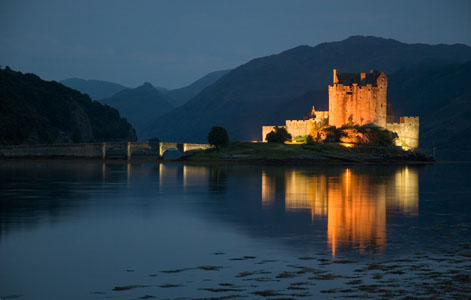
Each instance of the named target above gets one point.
<point>296,121</point>
<point>409,120</point>
<point>351,88</point>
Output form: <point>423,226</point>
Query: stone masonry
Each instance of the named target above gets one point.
<point>356,99</point>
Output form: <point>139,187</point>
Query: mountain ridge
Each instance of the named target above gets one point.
<point>96,89</point>
<point>34,111</point>
<point>245,98</point>
<point>140,104</point>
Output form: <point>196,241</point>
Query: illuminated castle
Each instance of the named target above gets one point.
<point>356,99</point>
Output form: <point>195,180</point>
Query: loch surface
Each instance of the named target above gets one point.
<point>84,229</point>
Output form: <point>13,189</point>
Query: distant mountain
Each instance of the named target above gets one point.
<point>36,111</point>
<point>140,105</point>
<point>270,89</point>
<point>96,89</point>
<point>182,95</point>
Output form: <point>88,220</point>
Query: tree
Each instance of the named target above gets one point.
<point>218,137</point>
<point>278,135</point>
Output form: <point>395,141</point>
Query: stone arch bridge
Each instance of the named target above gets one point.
<point>151,148</point>
<point>99,150</point>
<point>182,147</point>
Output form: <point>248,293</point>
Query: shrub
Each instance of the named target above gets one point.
<point>368,135</point>
<point>278,135</point>
<point>218,137</point>
<point>330,134</point>
<point>309,139</point>
<point>300,138</point>
<point>379,136</point>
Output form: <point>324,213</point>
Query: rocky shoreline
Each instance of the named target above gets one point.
<point>279,154</point>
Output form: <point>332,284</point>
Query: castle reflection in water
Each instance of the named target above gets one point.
<point>352,201</point>
<point>354,204</point>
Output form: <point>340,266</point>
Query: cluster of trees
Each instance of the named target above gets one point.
<point>370,135</point>
<point>278,135</point>
<point>218,137</point>
<point>36,111</point>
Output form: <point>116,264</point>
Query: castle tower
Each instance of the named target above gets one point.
<point>358,98</point>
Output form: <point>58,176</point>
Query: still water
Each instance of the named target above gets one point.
<point>142,230</point>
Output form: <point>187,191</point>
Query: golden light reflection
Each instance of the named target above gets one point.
<point>167,173</point>
<point>268,189</point>
<point>354,203</point>
<point>305,192</point>
<point>194,175</point>
<point>356,213</point>
<point>406,188</point>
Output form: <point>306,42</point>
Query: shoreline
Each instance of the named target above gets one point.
<point>300,162</point>
<point>257,161</point>
<point>234,153</point>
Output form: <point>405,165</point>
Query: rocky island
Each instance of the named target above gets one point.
<point>329,153</point>
<point>360,127</point>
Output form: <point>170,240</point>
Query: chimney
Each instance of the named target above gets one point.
<point>362,75</point>
<point>336,80</point>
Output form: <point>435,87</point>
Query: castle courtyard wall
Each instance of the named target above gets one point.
<point>407,130</point>
<point>300,127</point>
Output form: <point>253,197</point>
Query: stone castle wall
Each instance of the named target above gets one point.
<point>322,116</point>
<point>266,130</point>
<point>299,127</point>
<point>358,105</point>
<point>407,130</point>
<point>307,127</point>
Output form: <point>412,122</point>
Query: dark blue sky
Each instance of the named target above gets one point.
<point>172,43</point>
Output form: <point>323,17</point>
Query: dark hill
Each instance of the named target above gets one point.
<point>96,89</point>
<point>255,93</point>
<point>439,93</point>
<point>36,111</point>
<point>140,105</point>
<point>182,95</point>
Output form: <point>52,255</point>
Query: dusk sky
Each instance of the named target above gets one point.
<point>172,43</point>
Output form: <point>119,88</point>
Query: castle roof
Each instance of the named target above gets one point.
<point>351,78</point>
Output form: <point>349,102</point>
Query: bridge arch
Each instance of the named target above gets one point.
<point>182,147</point>
<point>164,147</point>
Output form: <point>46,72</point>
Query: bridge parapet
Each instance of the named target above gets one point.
<point>182,147</point>
<point>189,147</point>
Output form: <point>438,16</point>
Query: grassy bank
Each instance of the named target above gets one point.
<point>306,153</point>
